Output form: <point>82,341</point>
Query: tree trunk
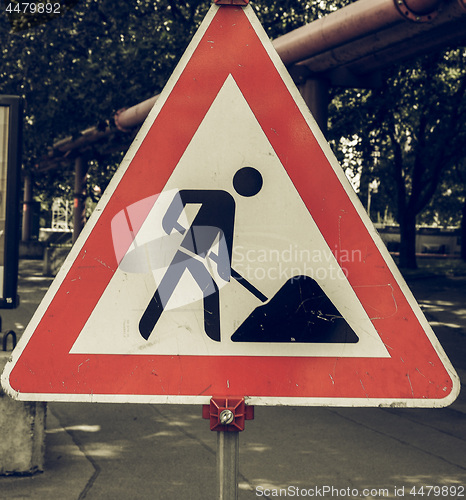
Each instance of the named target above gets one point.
<point>463,232</point>
<point>408,241</point>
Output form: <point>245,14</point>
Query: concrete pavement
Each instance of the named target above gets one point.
<point>110,451</point>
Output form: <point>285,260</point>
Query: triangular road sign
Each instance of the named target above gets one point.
<point>230,257</point>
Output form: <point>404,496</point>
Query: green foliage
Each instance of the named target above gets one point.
<point>409,133</point>
<point>279,18</point>
<point>75,71</point>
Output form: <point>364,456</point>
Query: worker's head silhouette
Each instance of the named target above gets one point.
<point>247,181</point>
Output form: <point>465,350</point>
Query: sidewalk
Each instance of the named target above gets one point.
<point>110,451</point>
<point>67,469</point>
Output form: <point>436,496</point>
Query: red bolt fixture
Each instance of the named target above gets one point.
<point>418,10</point>
<point>221,408</point>
<point>231,2</point>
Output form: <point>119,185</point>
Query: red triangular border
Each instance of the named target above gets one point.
<point>415,370</point>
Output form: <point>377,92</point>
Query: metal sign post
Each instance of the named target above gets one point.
<point>227,465</point>
<point>227,416</point>
<point>10,168</point>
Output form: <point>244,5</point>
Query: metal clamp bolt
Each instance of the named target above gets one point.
<point>226,417</point>
<point>227,413</point>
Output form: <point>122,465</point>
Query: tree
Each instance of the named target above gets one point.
<point>448,205</point>
<point>76,70</point>
<point>413,123</point>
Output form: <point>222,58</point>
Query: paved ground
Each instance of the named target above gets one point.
<point>107,451</point>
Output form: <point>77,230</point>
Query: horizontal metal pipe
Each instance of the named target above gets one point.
<point>425,42</point>
<point>354,21</point>
<point>397,42</point>
<point>126,119</point>
<point>342,26</point>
